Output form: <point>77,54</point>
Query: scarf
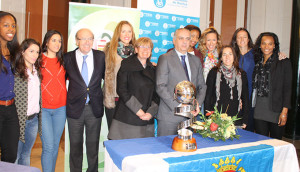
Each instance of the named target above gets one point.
<point>212,56</point>
<point>125,51</point>
<point>231,76</point>
<point>261,77</point>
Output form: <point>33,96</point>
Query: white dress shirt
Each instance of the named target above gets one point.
<point>186,61</point>
<point>89,61</point>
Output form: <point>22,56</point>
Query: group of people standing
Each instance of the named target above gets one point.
<point>34,98</point>
<point>31,74</point>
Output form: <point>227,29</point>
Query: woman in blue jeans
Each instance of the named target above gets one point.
<point>28,97</point>
<point>54,96</point>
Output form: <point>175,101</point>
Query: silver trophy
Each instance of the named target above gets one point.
<point>185,93</point>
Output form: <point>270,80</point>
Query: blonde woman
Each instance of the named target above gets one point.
<point>210,45</point>
<point>119,48</point>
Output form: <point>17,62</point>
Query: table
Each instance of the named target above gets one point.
<point>11,167</point>
<point>252,152</point>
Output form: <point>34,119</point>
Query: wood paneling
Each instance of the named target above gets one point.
<point>58,13</point>
<point>133,3</point>
<point>212,13</point>
<point>245,15</point>
<point>34,14</point>
<point>228,25</point>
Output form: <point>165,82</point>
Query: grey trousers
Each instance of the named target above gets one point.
<point>165,128</point>
<point>92,127</point>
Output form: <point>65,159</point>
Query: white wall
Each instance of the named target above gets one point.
<point>271,16</point>
<point>120,3</point>
<point>18,9</point>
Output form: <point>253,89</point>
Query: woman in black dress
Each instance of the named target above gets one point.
<point>227,87</point>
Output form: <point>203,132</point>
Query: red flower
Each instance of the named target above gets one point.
<point>209,113</point>
<point>213,126</point>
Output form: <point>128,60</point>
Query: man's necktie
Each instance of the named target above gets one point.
<point>184,66</point>
<point>85,74</point>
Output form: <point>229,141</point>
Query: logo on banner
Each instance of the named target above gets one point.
<point>228,165</point>
<point>189,20</point>
<point>157,33</point>
<point>143,31</point>
<point>157,50</point>
<point>166,25</point>
<point>174,18</point>
<point>160,3</point>
<point>166,42</point>
<point>148,23</point>
<point>144,14</point>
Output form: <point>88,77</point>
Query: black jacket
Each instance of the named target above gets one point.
<point>211,98</point>
<point>77,91</point>
<point>136,90</point>
<point>280,84</point>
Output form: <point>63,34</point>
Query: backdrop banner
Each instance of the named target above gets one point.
<point>165,17</point>
<point>160,27</point>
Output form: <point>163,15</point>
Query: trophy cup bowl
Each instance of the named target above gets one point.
<point>184,92</point>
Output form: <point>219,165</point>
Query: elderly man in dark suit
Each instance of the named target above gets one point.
<point>173,67</point>
<point>85,71</point>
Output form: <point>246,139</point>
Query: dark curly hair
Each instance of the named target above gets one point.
<point>233,42</point>
<point>258,54</point>
<point>47,38</point>
<point>12,45</point>
<point>235,58</point>
<point>20,68</point>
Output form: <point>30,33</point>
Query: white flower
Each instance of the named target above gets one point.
<point>223,116</point>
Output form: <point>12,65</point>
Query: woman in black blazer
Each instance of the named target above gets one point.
<point>138,101</point>
<point>272,81</point>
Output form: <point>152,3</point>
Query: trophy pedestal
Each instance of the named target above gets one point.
<point>184,145</point>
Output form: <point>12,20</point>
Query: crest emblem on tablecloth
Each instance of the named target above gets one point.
<point>228,165</point>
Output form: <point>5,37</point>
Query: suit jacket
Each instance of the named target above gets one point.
<point>169,73</point>
<point>77,91</point>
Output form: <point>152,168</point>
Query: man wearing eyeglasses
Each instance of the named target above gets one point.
<point>173,67</point>
<point>85,71</point>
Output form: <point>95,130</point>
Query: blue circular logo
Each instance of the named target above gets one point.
<point>160,3</point>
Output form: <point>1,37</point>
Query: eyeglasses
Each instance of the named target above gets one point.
<point>145,47</point>
<point>85,39</point>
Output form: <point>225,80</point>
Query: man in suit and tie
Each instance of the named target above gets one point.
<point>173,67</point>
<point>85,71</point>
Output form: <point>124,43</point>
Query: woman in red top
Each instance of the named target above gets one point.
<point>54,96</point>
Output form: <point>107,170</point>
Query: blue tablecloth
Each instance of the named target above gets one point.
<point>119,149</point>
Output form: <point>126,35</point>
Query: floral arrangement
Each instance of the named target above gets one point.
<point>216,125</point>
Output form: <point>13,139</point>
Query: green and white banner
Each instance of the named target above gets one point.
<point>101,20</point>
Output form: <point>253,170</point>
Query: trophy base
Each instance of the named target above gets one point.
<point>184,145</point>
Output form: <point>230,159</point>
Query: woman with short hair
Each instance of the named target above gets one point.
<point>138,101</point>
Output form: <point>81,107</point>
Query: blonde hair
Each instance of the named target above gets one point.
<point>202,45</point>
<point>143,41</point>
<point>112,46</point>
